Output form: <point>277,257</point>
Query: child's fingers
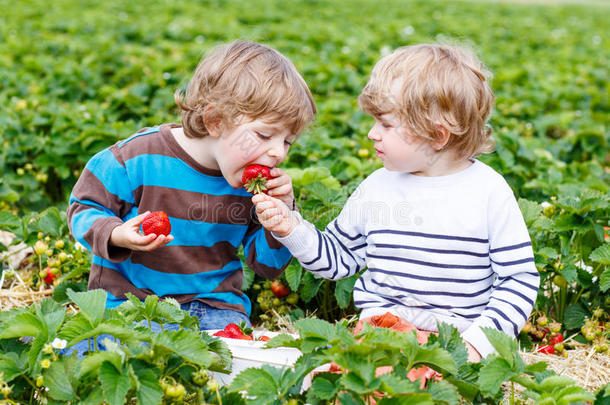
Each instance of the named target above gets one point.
<point>282,190</point>
<point>269,213</point>
<point>279,181</point>
<point>259,198</point>
<point>138,219</point>
<point>277,172</point>
<point>142,240</point>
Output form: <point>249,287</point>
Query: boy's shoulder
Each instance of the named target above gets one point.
<point>146,141</point>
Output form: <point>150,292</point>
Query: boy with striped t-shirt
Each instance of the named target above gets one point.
<point>245,104</point>
<point>439,233</point>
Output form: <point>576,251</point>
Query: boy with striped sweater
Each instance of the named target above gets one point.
<point>439,233</point>
<point>245,104</point>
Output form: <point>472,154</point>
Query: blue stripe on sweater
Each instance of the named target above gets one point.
<point>164,175</point>
<point>441,293</point>
<point>112,175</point>
<point>82,221</point>
<point>429,264</point>
<point>511,247</point>
<point>443,279</point>
<point>276,258</point>
<point>136,135</point>
<point>440,251</point>
<point>198,233</point>
<point>429,235</point>
<point>170,283</point>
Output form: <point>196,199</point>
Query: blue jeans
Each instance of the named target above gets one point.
<point>209,318</point>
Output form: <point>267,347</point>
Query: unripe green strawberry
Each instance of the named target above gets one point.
<point>40,247</point>
<point>542,321</point>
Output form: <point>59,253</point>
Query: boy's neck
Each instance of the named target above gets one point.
<point>197,148</point>
<point>444,163</point>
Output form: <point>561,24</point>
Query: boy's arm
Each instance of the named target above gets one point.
<point>517,280</point>
<point>101,197</point>
<point>265,255</point>
<point>336,253</point>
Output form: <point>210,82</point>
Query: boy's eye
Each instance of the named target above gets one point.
<point>263,136</point>
<point>289,143</point>
<point>386,125</point>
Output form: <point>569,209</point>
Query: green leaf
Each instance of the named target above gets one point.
<point>148,389</point>
<point>58,381</point>
<point>248,278</point>
<point>91,303</point>
<point>94,361</point>
<point>8,220</point>
<point>555,381</point>
<point>344,289</point>
<point>444,392</point>
<point>530,210</point>
<point>493,374</point>
<point>575,316</point>
<point>601,254</point>
<point>115,384</point>
<point>353,382</point>
<point>293,274</point>
<point>185,343</point>
<point>604,280</point>
<point>310,287</point>
<point>409,399</point>
<point>504,344</point>
<point>48,222</point>
<point>22,324</point>
<point>259,384</point>
<point>324,389</point>
<point>11,366</point>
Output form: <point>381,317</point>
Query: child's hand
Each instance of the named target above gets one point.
<point>274,215</point>
<point>473,354</point>
<point>280,187</point>
<point>128,236</point>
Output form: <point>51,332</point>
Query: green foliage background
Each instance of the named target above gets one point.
<point>76,76</point>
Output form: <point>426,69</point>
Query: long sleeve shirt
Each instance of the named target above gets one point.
<point>451,249</point>
<point>210,220</point>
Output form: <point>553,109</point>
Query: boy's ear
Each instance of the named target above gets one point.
<point>442,137</point>
<point>211,120</point>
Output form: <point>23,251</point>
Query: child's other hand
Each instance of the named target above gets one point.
<point>274,215</point>
<point>128,236</point>
<point>280,187</point>
<point>473,354</point>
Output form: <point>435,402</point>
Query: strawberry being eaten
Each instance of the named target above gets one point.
<point>156,222</point>
<point>255,178</point>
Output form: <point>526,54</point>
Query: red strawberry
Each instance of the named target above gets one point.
<point>264,338</point>
<point>255,178</point>
<point>279,290</point>
<point>546,349</point>
<point>558,338</point>
<point>48,275</point>
<point>234,330</point>
<point>156,222</point>
<point>223,333</point>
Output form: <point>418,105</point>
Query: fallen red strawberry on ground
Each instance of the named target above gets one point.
<point>156,222</point>
<point>546,349</point>
<point>255,178</point>
<point>279,290</point>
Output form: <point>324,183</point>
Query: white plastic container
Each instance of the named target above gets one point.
<point>250,353</point>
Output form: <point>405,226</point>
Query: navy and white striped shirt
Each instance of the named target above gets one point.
<point>452,248</point>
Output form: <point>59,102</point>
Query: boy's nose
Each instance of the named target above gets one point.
<point>276,152</point>
<point>373,136</point>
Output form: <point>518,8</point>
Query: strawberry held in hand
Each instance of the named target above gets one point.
<point>156,222</point>
<point>255,178</point>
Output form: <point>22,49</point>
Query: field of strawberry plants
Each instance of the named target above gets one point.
<point>77,76</point>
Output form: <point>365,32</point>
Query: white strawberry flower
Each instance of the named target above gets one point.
<point>58,343</point>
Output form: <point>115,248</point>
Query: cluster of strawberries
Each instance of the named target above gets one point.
<point>548,333</point>
<point>234,331</point>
